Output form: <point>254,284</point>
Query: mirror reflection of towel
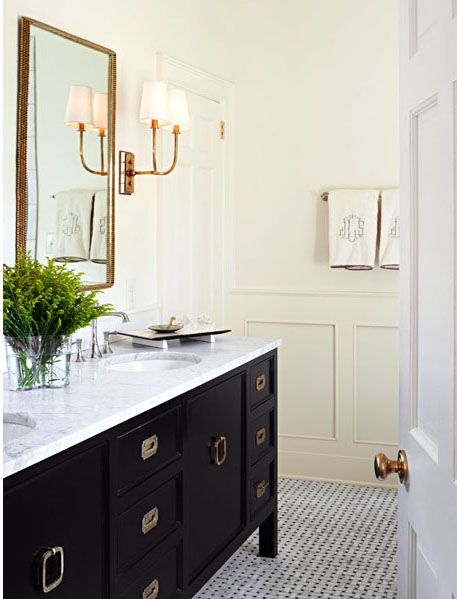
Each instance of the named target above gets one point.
<point>73,211</point>
<point>99,228</point>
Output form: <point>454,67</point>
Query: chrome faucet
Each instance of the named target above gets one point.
<point>94,347</point>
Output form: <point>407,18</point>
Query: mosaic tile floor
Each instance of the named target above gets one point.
<point>335,541</point>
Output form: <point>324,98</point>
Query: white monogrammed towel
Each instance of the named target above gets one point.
<point>353,224</point>
<point>74,211</point>
<point>389,246</point>
<point>99,223</point>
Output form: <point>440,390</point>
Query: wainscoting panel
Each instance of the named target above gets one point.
<point>307,368</point>
<point>338,378</point>
<point>376,384</point>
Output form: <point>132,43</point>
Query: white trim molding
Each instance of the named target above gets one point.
<point>182,74</point>
<point>314,292</point>
<point>415,114</point>
<point>327,467</point>
<point>454,112</point>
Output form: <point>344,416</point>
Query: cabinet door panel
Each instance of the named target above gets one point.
<point>216,492</point>
<point>63,507</point>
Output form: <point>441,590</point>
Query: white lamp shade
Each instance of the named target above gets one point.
<point>178,111</point>
<point>79,106</point>
<point>100,112</point>
<point>154,103</point>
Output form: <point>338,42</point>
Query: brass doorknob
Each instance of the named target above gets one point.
<point>383,466</point>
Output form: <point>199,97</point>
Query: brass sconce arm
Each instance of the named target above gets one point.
<point>127,172</point>
<point>102,153</point>
<point>154,156</point>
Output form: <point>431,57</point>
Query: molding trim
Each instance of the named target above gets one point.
<point>306,437</point>
<point>328,467</point>
<point>355,390</point>
<point>454,112</point>
<point>180,73</point>
<point>415,114</point>
<point>413,34</point>
<point>334,325</point>
<point>314,292</point>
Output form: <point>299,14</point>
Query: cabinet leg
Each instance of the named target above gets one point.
<point>268,536</point>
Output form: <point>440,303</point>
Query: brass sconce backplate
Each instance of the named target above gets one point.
<point>126,173</point>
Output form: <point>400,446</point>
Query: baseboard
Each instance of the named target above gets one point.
<point>329,468</point>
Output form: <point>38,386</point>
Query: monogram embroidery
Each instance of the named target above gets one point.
<point>71,225</point>
<point>352,228</point>
<point>102,225</point>
<point>395,230</point>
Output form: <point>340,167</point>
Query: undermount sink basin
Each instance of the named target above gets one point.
<point>152,362</point>
<point>16,425</point>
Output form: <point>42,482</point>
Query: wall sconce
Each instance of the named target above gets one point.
<point>86,115</point>
<point>160,109</point>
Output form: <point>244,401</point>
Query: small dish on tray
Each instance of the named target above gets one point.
<point>171,327</point>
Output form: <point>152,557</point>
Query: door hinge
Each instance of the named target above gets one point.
<point>222,129</point>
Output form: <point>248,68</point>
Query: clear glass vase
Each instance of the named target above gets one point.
<point>35,362</point>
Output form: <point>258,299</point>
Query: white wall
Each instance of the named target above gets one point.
<point>316,103</point>
<point>188,29</point>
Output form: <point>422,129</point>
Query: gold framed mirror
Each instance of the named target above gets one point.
<point>66,151</point>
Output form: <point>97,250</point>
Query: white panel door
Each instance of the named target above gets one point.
<point>427,432</point>
<point>191,216</point>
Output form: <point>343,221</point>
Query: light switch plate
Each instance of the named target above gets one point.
<point>131,294</point>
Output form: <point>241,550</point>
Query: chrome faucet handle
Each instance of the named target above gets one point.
<point>107,349</point>
<point>95,352</point>
<point>79,352</point>
<point>95,349</point>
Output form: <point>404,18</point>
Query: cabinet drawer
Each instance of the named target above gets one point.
<point>260,438</point>
<point>147,522</point>
<point>149,447</point>
<point>162,580</point>
<point>261,382</point>
<point>262,487</point>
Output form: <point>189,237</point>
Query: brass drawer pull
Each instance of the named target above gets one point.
<point>149,447</point>
<point>51,552</point>
<point>152,590</point>
<point>219,450</point>
<point>260,436</point>
<point>260,382</point>
<point>260,488</point>
<point>150,520</point>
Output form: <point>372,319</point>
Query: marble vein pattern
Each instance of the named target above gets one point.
<point>99,398</point>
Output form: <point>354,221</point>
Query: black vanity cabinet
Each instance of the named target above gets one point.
<point>152,508</point>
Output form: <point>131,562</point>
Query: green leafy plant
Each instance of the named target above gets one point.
<point>45,301</point>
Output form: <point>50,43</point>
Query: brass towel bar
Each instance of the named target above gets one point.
<point>324,196</point>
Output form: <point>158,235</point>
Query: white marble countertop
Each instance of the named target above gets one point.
<point>98,399</point>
